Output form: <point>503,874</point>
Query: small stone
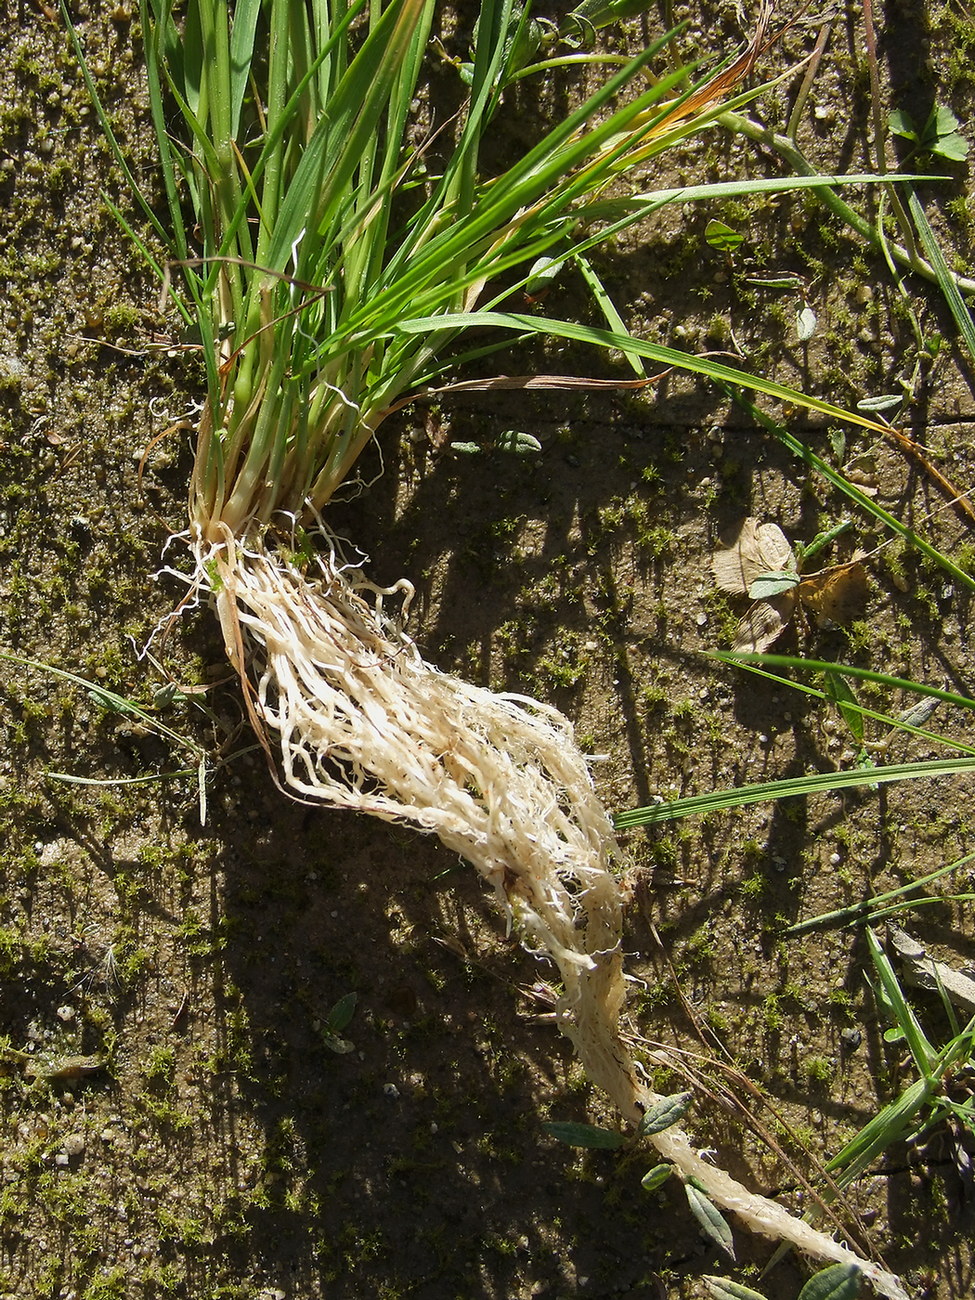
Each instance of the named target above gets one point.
<point>74,1144</point>
<point>66,1013</point>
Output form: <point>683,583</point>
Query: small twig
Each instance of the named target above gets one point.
<point>812,68</point>
<point>963,507</point>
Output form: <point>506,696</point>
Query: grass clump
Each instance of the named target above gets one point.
<point>337,252</point>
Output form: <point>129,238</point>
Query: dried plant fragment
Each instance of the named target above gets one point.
<point>758,550</point>
<point>837,595</point>
<point>924,972</point>
<point>764,623</point>
<point>762,565</point>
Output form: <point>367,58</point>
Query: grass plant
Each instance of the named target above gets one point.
<point>935,1099</point>
<point>343,250</point>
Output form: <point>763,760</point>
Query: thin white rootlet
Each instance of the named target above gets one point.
<point>365,723</point>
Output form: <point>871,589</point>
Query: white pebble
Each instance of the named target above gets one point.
<point>74,1144</point>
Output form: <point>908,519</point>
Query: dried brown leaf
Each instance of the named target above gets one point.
<point>838,595</point>
<point>764,623</point>
<point>758,549</point>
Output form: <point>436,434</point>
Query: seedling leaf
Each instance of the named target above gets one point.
<point>656,1177</point>
<point>773,584</point>
<point>336,1020</point>
<point>543,274</point>
<point>713,1222</point>
<point>520,444</point>
<point>843,696</point>
<point>882,403</point>
<point>722,237</point>
<point>668,1111</point>
<point>342,1013</point>
<point>806,321</point>
<point>902,124</point>
<point>837,1282</point>
<point>584,1135</point>
<point>943,120</point>
<point>953,147</point>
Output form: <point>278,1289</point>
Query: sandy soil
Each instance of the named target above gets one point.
<point>180,1115</point>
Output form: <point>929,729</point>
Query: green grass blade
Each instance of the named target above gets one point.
<point>848,670</point>
<point>897,1006</point>
<point>345,131</point>
<point>607,340</point>
<point>242,36</point>
<point>751,664</point>
<point>790,787</point>
<point>895,1121</point>
<point>608,308</point>
<point>117,703</point>
<point>891,901</point>
<point>946,281</point>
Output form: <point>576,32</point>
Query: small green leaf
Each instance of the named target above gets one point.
<point>942,121</point>
<point>784,281</point>
<point>656,1177</point>
<point>773,584</point>
<point>952,146</point>
<point>667,1111</point>
<point>519,444</point>
<point>902,124</point>
<point>837,441</point>
<point>343,1011</point>
<point>710,1218</point>
<point>843,696</point>
<point>806,322</point>
<point>723,237</point>
<point>466,448</point>
<point>837,1282</point>
<point>882,403</point>
<point>585,1135</point>
<point>723,1288</point>
<point>543,274</point>
<point>821,540</point>
<point>334,1043</point>
<point>111,702</point>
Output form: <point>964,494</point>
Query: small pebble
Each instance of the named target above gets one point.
<point>74,1144</point>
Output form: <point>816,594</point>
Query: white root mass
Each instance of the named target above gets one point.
<point>364,723</point>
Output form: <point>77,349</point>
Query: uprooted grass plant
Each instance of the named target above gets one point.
<point>338,241</point>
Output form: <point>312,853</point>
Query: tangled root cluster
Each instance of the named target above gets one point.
<point>364,723</point>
